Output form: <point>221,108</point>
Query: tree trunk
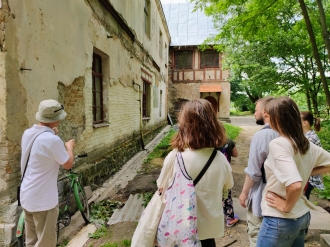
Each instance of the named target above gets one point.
<point>325,33</point>
<point>315,51</point>
<point>308,100</point>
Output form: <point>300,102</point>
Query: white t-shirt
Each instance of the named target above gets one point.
<point>218,177</point>
<point>283,167</point>
<point>39,186</point>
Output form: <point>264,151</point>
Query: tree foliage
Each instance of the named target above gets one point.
<point>267,47</point>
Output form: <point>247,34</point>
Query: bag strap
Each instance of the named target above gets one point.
<point>29,156</point>
<point>208,163</point>
<point>262,169</point>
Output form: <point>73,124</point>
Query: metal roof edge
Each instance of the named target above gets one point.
<point>160,9</point>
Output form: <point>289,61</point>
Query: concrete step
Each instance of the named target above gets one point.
<point>132,211</point>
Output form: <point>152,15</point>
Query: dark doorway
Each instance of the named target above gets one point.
<point>214,103</point>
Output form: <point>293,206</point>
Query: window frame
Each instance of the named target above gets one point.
<point>95,92</point>
<point>160,44</point>
<point>146,94</point>
<point>147,16</point>
<point>176,55</point>
<point>216,62</point>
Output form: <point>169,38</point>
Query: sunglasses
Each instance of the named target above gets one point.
<point>62,108</point>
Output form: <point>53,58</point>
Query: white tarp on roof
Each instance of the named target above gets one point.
<point>186,27</point>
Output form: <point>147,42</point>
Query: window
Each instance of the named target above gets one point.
<point>160,44</point>
<point>147,16</point>
<point>183,59</point>
<point>97,89</point>
<point>160,102</point>
<point>209,59</point>
<point>166,52</point>
<point>146,100</point>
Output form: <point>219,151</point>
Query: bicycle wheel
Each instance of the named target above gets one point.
<point>81,201</point>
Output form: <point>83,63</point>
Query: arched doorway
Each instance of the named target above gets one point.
<point>213,102</point>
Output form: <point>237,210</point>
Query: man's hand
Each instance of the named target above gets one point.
<point>242,199</point>
<point>70,144</point>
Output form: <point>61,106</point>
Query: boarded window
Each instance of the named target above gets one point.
<point>97,89</point>
<point>183,59</point>
<point>209,59</point>
<point>146,99</point>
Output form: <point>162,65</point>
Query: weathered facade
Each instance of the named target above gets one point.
<point>194,73</point>
<point>104,60</point>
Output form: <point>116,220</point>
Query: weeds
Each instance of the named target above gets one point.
<point>123,243</point>
<point>103,210</point>
<point>98,233</point>
<point>146,197</point>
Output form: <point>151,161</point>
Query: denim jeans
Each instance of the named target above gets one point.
<point>283,232</point>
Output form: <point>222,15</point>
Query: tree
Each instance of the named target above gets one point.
<point>265,44</point>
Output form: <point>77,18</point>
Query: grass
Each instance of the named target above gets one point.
<point>239,113</point>
<point>232,130</point>
<point>123,243</point>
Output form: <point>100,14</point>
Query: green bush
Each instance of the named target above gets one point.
<point>324,135</point>
<point>325,141</point>
<point>325,194</point>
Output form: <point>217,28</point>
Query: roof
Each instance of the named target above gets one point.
<point>186,27</point>
<point>211,88</point>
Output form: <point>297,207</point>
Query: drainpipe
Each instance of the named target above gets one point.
<point>141,131</point>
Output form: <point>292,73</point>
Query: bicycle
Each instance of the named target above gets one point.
<point>64,217</point>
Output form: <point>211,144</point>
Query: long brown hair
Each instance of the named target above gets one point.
<point>198,127</point>
<point>285,118</point>
<point>307,116</point>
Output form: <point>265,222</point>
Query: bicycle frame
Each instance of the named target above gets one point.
<point>20,225</point>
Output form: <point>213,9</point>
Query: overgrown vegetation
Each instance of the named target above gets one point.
<point>325,194</point>
<point>103,210</point>
<point>146,197</point>
<point>325,141</point>
<point>160,151</point>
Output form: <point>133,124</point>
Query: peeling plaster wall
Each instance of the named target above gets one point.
<point>55,42</point>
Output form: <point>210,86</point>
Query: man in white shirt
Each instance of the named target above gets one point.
<point>42,154</point>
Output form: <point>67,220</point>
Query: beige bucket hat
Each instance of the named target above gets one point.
<point>50,111</point>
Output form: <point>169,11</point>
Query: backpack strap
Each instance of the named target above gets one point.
<point>208,163</point>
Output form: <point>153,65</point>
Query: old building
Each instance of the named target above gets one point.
<point>194,73</point>
<point>104,60</point>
